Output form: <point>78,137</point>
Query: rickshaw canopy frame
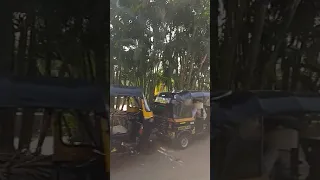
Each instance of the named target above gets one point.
<point>50,92</point>
<point>240,105</point>
<point>117,90</point>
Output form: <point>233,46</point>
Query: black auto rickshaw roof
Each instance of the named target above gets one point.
<point>49,92</point>
<point>117,90</point>
<point>243,104</point>
<point>219,94</point>
<point>184,95</point>
<point>241,97</point>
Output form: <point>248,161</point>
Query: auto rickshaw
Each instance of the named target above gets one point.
<point>265,135</point>
<point>174,116</point>
<point>131,121</point>
<point>69,158</point>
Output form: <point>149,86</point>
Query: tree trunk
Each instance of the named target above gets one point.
<point>27,123</point>
<point>90,66</point>
<point>32,61</point>
<point>214,47</point>
<point>285,66</point>
<point>20,62</point>
<point>26,130</point>
<point>235,14</point>
<point>281,37</point>
<point>256,38</point>
<point>98,29</point>
<point>295,73</point>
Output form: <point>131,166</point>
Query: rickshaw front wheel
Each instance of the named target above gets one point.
<point>183,141</point>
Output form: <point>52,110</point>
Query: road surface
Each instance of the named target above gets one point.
<point>192,163</point>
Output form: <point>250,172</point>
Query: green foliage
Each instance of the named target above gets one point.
<point>70,120</point>
<point>169,41</point>
<point>286,48</point>
<point>165,41</point>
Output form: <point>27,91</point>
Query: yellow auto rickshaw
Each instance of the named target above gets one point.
<point>66,148</point>
<point>131,120</point>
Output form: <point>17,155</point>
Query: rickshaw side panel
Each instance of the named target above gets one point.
<point>183,125</point>
<point>179,126</point>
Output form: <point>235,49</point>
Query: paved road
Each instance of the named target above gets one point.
<point>166,164</point>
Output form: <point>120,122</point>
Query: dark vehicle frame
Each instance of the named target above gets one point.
<point>57,96</point>
<point>232,110</point>
<point>180,130</point>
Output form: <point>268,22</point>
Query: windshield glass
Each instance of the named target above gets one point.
<point>162,100</point>
<point>182,111</point>
<point>162,109</point>
<point>177,110</point>
<point>164,97</point>
<point>123,102</point>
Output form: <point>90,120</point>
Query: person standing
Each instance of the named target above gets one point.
<point>281,141</point>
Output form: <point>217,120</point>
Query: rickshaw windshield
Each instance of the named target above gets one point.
<point>162,100</point>
<point>173,109</point>
<point>162,105</point>
<point>181,110</point>
<point>162,109</point>
<point>124,102</point>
